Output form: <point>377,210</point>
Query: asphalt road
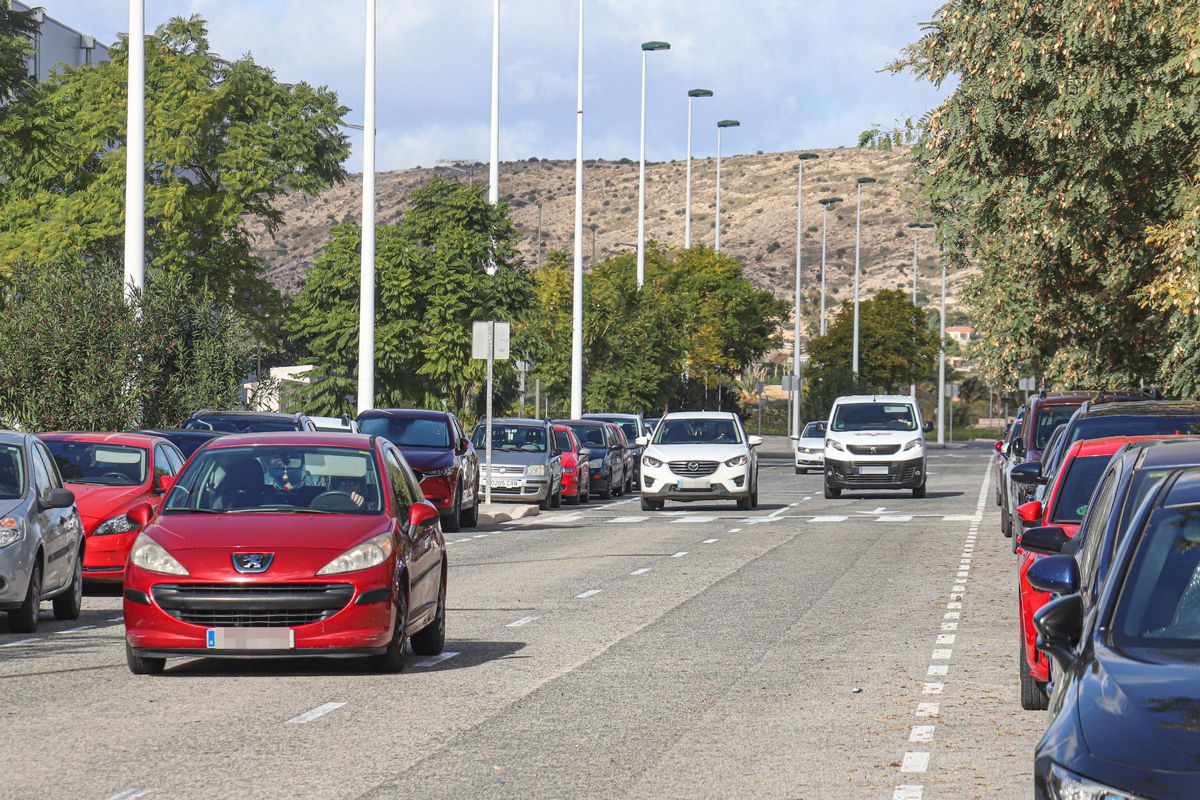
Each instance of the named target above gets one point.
<point>855,648</point>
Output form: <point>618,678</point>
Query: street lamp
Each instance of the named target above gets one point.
<point>577,272</point>
<point>857,263</point>
<point>915,226</point>
<point>366,275</point>
<point>494,170</point>
<point>725,123</point>
<point>941,440</point>
<point>647,47</point>
<point>687,216</point>
<point>826,204</point>
<point>799,263</point>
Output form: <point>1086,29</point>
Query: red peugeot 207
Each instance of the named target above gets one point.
<point>577,478</point>
<point>111,473</point>
<point>342,557</point>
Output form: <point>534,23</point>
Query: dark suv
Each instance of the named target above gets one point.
<point>441,455</point>
<point>248,422</point>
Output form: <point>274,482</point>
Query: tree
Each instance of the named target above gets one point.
<point>223,140</point>
<point>896,349</point>
<point>17,29</point>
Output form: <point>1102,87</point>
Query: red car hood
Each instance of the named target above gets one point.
<point>98,503</point>
<point>225,532</point>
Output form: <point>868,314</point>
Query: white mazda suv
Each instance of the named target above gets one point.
<point>696,456</point>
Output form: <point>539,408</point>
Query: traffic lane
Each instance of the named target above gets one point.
<point>745,688</point>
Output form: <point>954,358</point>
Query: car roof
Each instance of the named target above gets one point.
<point>874,398</point>
<point>163,432</point>
<point>532,423</point>
<point>1107,446</point>
<point>1140,408</point>
<point>208,412</point>
<point>12,437</point>
<point>1061,399</point>
<point>1169,452</point>
<point>119,438</point>
<point>304,438</point>
<point>402,413</point>
<point>701,415</point>
<point>613,415</point>
<point>595,422</point>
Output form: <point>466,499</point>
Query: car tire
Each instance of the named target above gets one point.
<point>919,492</point>
<point>1005,523</point>
<point>68,604</point>
<point>24,619</point>
<point>832,493</point>
<point>612,486</point>
<point>431,640</point>
<point>744,503</point>
<point>754,497</point>
<point>469,518</point>
<point>143,665</point>
<point>452,522</point>
<point>393,659</point>
<point>652,505</point>
<point>801,471</point>
<point>546,503</point>
<point>1033,693</point>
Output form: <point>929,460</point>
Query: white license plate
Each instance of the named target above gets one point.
<point>693,483</point>
<point>250,639</point>
<point>500,483</point>
<point>881,470</point>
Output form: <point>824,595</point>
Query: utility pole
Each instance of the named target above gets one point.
<point>857,266</point>
<point>135,153</point>
<point>577,275</point>
<point>796,349</point>
<point>687,214</point>
<point>366,275</point>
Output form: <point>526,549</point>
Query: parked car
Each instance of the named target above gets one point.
<point>41,535</point>
<point>343,424</point>
<point>875,442</point>
<point>606,457</point>
<point>249,422</point>
<point>810,448</point>
<point>629,451</point>
<point>526,461</point>
<point>350,562</point>
<point>188,441</point>
<point>1040,416</point>
<point>1004,457</point>
<point>441,455</point>
<point>1123,710</point>
<point>696,456</point>
<point>650,424</point>
<point>109,474</point>
<point>1057,519</point>
<point>576,475</point>
<point>633,427</point>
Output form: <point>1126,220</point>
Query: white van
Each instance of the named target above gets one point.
<point>875,442</point>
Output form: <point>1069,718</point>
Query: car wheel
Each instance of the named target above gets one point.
<point>744,503</point>
<point>452,522</point>
<point>651,505</point>
<point>1033,693</point>
<point>25,618</point>
<point>143,665</point>
<point>431,640</point>
<point>801,471</point>
<point>919,492</point>
<point>832,493</point>
<point>469,517</point>
<point>547,502</point>
<point>754,497</point>
<point>392,660</point>
<point>68,604</point>
<point>1005,524</point>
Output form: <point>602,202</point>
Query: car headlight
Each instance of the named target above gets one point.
<point>117,524</point>
<point>150,555</point>
<point>371,553</point>
<point>1066,785</point>
<point>651,461</point>
<point>914,443</point>
<point>835,444</point>
<point>737,461</point>
<point>438,473</point>
<point>535,469</point>
<point>12,530</point>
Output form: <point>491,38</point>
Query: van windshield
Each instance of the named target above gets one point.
<point>874,417</point>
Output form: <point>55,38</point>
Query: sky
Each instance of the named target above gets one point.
<point>796,74</point>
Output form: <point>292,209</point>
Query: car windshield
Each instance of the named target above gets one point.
<point>874,417</point>
<point>408,431</point>
<point>1076,490</point>
<point>104,464</point>
<point>1049,418</point>
<point>812,431</point>
<point>564,441</point>
<point>1159,605</point>
<point>12,472</point>
<point>591,436</point>
<point>697,431</point>
<point>628,426</point>
<point>525,438</point>
<point>278,479</point>
<point>242,424</point>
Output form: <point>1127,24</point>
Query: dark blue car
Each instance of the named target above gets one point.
<point>609,475</point>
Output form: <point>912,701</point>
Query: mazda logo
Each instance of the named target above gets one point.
<point>252,562</point>
<point>693,466</point>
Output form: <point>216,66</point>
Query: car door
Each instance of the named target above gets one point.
<point>468,460</point>
<point>553,459</point>
<point>164,467</point>
<point>424,555</point>
<point>54,524</point>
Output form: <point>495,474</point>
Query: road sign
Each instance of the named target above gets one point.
<point>479,340</point>
<point>791,383</point>
<point>1027,384</point>
<point>951,390</point>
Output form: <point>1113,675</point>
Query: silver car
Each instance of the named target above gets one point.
<point>41,536</point>
<point>526,462</point>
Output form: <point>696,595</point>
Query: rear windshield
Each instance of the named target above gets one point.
<point>1159,605</point>
<point>1049,418</point>
<point>1077,486</point>
<point>1103,427</point>
<point>590,435</point>
<point>408,432</point>
<point>12,472</point>
<point>564,441</point>
<point>242,424</point>
<point>103,464</point>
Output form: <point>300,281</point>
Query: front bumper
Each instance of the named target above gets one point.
<point>661,483</point>
<point>104,557</point>
<point>16,564</point>
<point>520,489</point>
<point>906,473</point>
<point>810,460</point>
<point>439,491</point>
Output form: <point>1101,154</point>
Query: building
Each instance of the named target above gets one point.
<point>961,333</point>
<point>58,44</point>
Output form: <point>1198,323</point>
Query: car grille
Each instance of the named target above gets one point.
<point>897,473</point>
<point>873,449</point>
<point>256,606</point>
<point>693,469</point>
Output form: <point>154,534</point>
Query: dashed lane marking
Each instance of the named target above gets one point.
<point>587,594</point>
<point>915,762</point>
<point>710,541</point>
<point>520,623</point>
<point>922,733</point>
<point>435,660</point>
<point>78,628</point>
<point>131,794</point>
<point>20,642</point>
<point>906,792</point>
<point>680,554</point>
<point>691,520</point>
<point>626,520</point>
<point>927,709</point>
<point>641,571</point>
<point>316,713</point>
<point>829,519</point>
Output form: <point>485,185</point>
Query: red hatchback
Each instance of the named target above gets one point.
<point>577,478</point>
<point>111,473</point>
<point>345,559</point>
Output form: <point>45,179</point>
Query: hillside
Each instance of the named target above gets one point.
<point>758,211</point>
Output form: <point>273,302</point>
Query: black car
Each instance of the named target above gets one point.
<point>248,422</point>
<point>607,461</point>
<point>188,441</point>
<point>1126,703</point>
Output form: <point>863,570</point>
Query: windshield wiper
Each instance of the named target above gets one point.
<point>279,511</point>
<point>187,510</point>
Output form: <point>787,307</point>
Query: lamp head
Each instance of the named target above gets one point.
<point>807,156</point>
<point>830,202</point>
<point>700,93</point>
<point>865,179</point>
<point>729,123</point>
<point>650,46</point>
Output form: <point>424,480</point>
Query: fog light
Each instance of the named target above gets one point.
<point>648,480</point>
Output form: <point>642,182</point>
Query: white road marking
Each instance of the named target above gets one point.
<point>915,762</point>
<point>949,626</point>
<point>316,713</point>
<point>687,520</point>
<point>77,629</point>
<point>954,604</point>
<point>808,498</point>
<point>131,794</point>
<point>829,519</point>
<point>587,594</point>
<point>942,653</point>
<point>927,709</point>
<point>680,554</point>
<point>435,660</point>
<point>933,688</point>
<point>641,571</point>
<point>20,642</point>
<point>710,541</point>
<point>626,520</point>
<point>479,536</point>
<point>922,733</point>
<point>908,792</point>
<point>904,518</point>
<point>879,510</point>
<point>937,669</point>
<point>116,619</point>
<point>735,530</point>
<point>521,622</point>
<point>959,518</point>
<point>952,615</point>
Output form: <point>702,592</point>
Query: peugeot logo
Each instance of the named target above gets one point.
<point>693,466</point>
<point>252,562</point>
<point>874,450</point>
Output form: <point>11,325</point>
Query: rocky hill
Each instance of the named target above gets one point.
<point>758,210</point>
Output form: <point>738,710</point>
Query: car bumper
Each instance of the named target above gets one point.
<point>810,460</point>
<point>908,473</point>
<point>16,564</point>
<point>519,490</point>
<point>439,491</point>
<point>660,483</point>
<point>570,485</point>
<point>104,557</point>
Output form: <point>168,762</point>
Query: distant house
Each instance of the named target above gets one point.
<point>57,44</point>
<point>960,333</point>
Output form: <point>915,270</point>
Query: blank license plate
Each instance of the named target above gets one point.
<point>251,639</point>
<point>693,483</point>
<point>880,470</point>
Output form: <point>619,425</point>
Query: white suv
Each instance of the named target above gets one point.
<point>702,455</point>
<point>875,442</point>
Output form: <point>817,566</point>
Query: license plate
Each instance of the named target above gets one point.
<point>692,483</point>
<point>880,470</point>
<point>251,639</point>
<point>499,483</point>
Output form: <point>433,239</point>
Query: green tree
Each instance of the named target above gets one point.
<point>17,29</point>
<point>223,140</point>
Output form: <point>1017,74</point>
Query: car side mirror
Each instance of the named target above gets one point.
<point>1018,448</point>
<point>1030,513</point>
<point>822,427</point>
<point>1059,624</point>
<point>140,514</point>
<point>464,444</point>
<point>754,441</point>
<point>1028,473</point>
<point>57,498</point>
<point>421,515</point>
<point>1056,574</point>
<point>163,484</point>
<point>643,441</point>
<point>1048,540</point>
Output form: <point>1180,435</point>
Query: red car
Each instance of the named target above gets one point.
<point>347,561</point>
<point>1067,501</point>
<point>111,473</point>
<point>577,478</point>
